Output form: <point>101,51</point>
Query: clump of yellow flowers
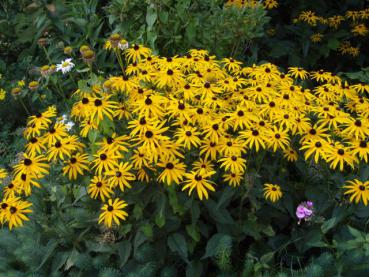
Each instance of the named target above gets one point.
<point>355,19</point>
<point>189,121</point>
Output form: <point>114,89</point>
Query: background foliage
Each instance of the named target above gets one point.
<point>232,234</point>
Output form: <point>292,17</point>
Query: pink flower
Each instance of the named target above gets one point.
<point>305,211</point>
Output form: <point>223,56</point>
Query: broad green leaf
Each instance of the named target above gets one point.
<point>177,243</point>
<point>124,250</point>
<point>215,243</point>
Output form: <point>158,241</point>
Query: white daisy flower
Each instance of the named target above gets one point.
<point>65,66</point>
<point>69,125</point>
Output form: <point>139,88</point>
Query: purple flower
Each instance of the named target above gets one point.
<point>305,211</point>
<point>309,204</point>
<point>300,212</point>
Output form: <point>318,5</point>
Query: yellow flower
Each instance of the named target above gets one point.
<point>358,191</point>
<point>32,165</point>
<point>200,183</point>
<point>272,192</point>
<point>105,161</point>
<point>316,37</point>
<point>99,187</point>
<point>3,174</point>
<point>233,179</point>
<point>76,165</point>
<point>174,171</point>
<point>360,30</point>
<point>113,211</point>
<point>121,176</point>
<point>298,72</point>
<point>21,83</point>
<point>137,52</point>
<point>2,94</point>
<point>15,214</point>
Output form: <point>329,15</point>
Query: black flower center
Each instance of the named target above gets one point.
<point>341,152</point>
<point>234,158</point>
<point>148,101</point>
<point>99,184</point>
<point>272,104</point>
<point>240,113</point>
<point>170,72</point>
<point>103,157</point>
<point>24,177</point>
<point>85,101</point>
<point>318,144</point>
<point>274,189</point>
<point>361,187</point>
<point>255,133</point>
<point>98,102</point>
<point>118,174</point>
<point>11,185</point>
<point>110,208</point>
<point>207,85</point>
<point>277,136</point>
<point>169,166</point>
<point>181,106</point>
<point>363,144</point>
<point>188,133</point>
<point>13,210</point>
<point>149,134</point>
<point>73,160</point>
<point>58,144</point>
<point>212,144</point>
<point>358,123</point>
<point>198,178</point>
<point>200,111</point>
<point>215,127</point>
<point>109,140</point>
<point>27,162</point>
<point>33,140</point>
<point>312,132</point>
<point>229,143</point>
<point>4,206</point>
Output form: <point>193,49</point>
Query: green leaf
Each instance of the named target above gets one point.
<point>51,246</point>
<point>177,243</point>
<point>329,224</point>
<point>355,233</point>
<point>147,230</point>
<point>215,244</point>
<point>333,44</point>
<point>124,251</point>
<point>151,16</point>
<point>226,196</point>
<point>193,232</point>
<point>160,220</point>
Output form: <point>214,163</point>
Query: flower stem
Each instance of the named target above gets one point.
<point>24,106</point>
<point>47,54</point>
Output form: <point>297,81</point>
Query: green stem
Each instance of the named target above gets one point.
<point>120,61</point>
<point>47,54</point>
<point>24,106</point>
<point>73,80</point>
